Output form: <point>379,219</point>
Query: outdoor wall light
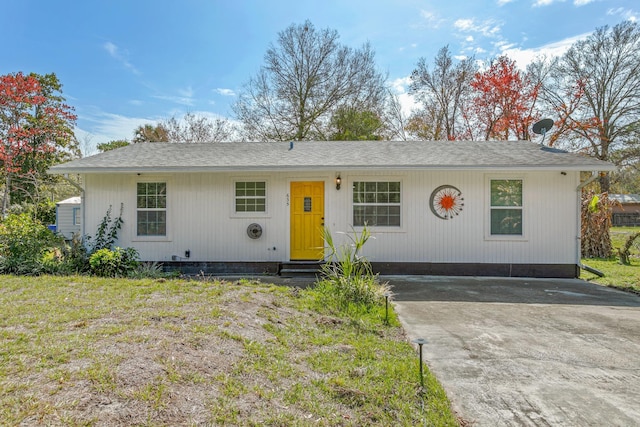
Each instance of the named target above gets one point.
<point>338,182</point>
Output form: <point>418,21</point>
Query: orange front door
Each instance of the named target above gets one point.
<point>307,220</point>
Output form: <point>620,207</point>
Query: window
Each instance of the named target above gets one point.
<point>77,218</point>
<point>506,207</point>
<point>376,204</point>
<point>152,208</point>
<point>251,196</point>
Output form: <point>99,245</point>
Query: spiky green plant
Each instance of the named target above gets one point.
<point>347,276</point>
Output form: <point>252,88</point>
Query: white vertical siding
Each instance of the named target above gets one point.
<point>64,220</point>
<point>201,217</point>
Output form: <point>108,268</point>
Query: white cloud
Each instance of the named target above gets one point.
<point>120,56</point>
<point>432,20</point>
<point>136,102</point>
<point>99,127</point>
<point>225,92</point>
<point>408,103</point>
<point>401,84</point>
<point>577,3</point>
<point>182,100</point>
<point>524,57</point>
<point>626,14</point>
<point>488,28</point>
<point>411,46</point>
<point>111,48</point>
<point>186,92</point>
<point>400,87</point>
<point>108,126</point>
<point>183,96</point>
<point>503,45</point>
<point>464,24</point>
<point>503,2</point>
<point>539,3</point>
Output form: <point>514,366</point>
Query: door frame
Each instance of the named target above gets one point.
<point>292,227</point>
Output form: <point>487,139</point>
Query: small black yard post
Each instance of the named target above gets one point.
<point>420,342</point>
<point>386,307</point>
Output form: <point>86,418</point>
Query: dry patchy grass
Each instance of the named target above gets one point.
<point>79,351</point>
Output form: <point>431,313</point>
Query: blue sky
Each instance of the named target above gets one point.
<point>124,63</point>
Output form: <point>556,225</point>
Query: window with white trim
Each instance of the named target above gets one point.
<point>506,207</point>
<point>152,209</point>
<point>251,196</point>
<point>376,204</point>
<point>77,218</point>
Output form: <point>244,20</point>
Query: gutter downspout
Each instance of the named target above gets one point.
<point>74,184</point>
<point>593,177</point>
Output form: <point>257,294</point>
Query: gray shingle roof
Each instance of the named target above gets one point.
<point>324,155</point>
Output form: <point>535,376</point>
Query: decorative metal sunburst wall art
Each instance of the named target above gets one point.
<point>446,202</point>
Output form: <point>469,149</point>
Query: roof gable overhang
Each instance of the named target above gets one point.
<point>331,155</point>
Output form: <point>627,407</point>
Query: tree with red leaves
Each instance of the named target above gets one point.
<point>595,91</point>
<point>503,103</point>
<point>36,126</point>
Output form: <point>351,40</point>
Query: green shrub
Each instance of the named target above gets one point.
<point>44,211</point>
<point>70,258</point>
<point>347,275</point>
<point>23,242</point>
<point>107,232</point>
<point>118,262</point>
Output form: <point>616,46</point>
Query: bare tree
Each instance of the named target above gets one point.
<point>87,148</point>
<point>442,93</point>
<point>306,77</point>
<point>595,90</point>
<point>395,120</point>
<point>194,128</point>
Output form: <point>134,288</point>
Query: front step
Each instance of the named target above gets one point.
<point>300,268</point>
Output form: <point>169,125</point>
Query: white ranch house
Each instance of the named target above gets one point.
<point>458,208</point>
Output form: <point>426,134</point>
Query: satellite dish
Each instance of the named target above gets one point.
<point>542,127</point>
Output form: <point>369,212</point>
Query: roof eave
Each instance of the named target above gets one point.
<point>306,168</point>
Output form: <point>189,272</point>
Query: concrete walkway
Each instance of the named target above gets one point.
<point>528,352</point>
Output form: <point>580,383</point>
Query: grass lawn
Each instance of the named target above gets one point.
<point>82,351</point>
<point>617,275</point>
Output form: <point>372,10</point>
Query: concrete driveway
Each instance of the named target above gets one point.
<point>528,352</point>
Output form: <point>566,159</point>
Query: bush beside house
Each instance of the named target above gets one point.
<point>29,247</point>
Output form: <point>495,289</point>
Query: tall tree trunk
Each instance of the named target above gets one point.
<point>7,194</point>
<point>605,182</point>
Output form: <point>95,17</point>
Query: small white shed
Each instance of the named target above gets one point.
<point>69,217</point>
